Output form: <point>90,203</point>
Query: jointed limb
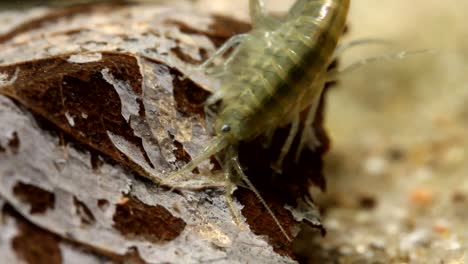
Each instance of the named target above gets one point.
<point>260,18</point>
<point>298,7</point>
<point>230,43</point>
<point>268,138</point>
<point>229,191</point>
<point>308,135</point>
<point>215,146</point>
<point>287,144</point>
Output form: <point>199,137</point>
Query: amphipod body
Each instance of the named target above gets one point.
<point>276,71</point>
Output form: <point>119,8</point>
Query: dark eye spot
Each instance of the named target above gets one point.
<point>225,128</point>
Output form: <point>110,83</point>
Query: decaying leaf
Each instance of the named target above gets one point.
<point>97,102</point>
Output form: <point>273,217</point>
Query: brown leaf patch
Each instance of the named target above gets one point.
<point>137,220</point>
<point>40,200</point>
<point>261,222</point>
<point>59,90</point>
<point>103,204</point>
<point>183,56</point>
<point>188,96</point>
<point>34,245</point>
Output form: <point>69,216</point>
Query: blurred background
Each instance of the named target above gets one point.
<point>397,188</point>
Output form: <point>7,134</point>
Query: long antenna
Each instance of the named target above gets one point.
<point>244,177</point>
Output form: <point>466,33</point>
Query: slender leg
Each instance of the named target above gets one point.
<point>216,145</point>
<point>233,41</point>
<point>208,111</point>
<point>244,177</point>
<point>308,135</point>
<point>298,7</point>
<point>215,97</point>
<point>229,191</point>
<point>257,12</point>
<point>259,18</point>
<point>287,144</point>
<point>268,138</point>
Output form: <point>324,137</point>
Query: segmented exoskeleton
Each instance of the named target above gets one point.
<point>275,72</point>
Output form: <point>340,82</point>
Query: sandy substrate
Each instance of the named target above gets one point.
<point>397,171</point>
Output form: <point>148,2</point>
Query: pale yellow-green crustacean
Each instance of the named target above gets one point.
<point>276,71</point>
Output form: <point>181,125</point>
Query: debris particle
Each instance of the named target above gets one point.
<point>123,201</point>
<point>458,197</point>
<point>395,154</point>
<point>375,165</point>
<point>5,78</point>
<point>413,239</point>
<point>421,196</point>
<point>70,119</point>
<point>441,227</point>
<point>367,202</point>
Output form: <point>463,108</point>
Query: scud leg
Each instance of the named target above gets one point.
<point>259,18</point>
<point>230,43</point>
<point>287,144</point>
<point>267,138</point>
<point>308,136</point>
<point>298,7</point>
<point>229,192</point>
<point>216,145</point>
<point>257,12</point>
